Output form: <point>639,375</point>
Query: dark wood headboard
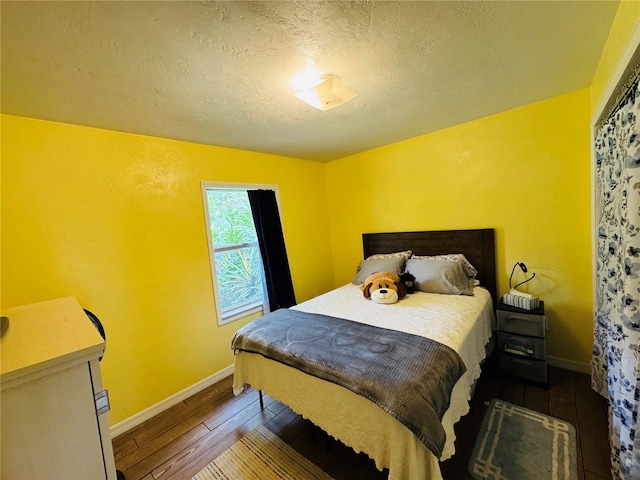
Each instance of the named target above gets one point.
<point>477,245</point>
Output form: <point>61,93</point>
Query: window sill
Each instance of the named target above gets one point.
<point>239,314</point>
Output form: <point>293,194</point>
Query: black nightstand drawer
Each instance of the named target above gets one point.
<point>527,347</point>
<point>531,369</point>
<point>521,323</point>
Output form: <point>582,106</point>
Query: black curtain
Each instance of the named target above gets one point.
<point>266,218</point>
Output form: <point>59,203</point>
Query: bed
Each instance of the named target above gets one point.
<point>354,419</point>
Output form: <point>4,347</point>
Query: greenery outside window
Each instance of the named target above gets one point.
<point>236,264</point>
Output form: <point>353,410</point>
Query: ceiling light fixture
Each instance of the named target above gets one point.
<point>323,92</point>
<point>327,93</point>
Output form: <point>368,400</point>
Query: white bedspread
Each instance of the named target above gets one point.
<point>464,323</point>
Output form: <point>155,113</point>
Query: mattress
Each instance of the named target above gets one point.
<point>461,322</point>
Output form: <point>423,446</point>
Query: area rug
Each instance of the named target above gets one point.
<point>261,455</point>
<point>516,443</point>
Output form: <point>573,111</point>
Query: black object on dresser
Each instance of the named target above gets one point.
<point>521,342</point>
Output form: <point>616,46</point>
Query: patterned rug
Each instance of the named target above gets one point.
<point>261,455</point>
<point>516,443</point>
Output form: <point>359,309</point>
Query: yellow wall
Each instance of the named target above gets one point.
<point>117,220</point>
<point>524,172</point>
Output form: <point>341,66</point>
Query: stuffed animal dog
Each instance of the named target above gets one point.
<point>383,287</point>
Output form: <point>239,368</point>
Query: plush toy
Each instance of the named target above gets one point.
<point>383,287</point>
<point>409,282</point>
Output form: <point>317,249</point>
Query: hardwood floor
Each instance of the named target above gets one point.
<point>181,441</point>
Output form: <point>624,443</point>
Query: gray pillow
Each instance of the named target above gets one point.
<point>367,267</point>
<point>439,276</point>
<point>377,256</point>
<point>469,269</point>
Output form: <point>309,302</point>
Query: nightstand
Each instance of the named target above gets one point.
<point>521,342</point>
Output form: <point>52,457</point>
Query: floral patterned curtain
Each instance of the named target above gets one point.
<point>616,349</point>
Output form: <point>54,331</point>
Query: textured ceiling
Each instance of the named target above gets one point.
<point>218,72</point>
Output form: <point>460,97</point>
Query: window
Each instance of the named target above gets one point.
<point>237,271</point>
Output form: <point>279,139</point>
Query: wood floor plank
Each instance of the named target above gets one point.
<point>158,423</point>
<point>312,447</point>
<point>281,420</point>
<point>593,432</point>
<point>512,391</point>
<point>562,402</point>
<point>229,408</point>
<point>145,463</point>
<point>156,428</point>
<point>338,465</point>
<point>122,449</point>
<point>290,432</point>
<point>536,398</point>
<point>277,407</point>
<point>178,413</point>
<point>225,409</point>
<point>177,434</point>
<point>211,393</point>
<point>199,454</point>
<point>593,476</point>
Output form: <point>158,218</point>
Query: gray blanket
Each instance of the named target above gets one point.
<point>408,376</point>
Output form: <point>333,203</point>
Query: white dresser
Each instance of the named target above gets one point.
<point>51,396</point>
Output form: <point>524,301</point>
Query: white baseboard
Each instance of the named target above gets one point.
<point>569,364</point>
<point>135,420</point>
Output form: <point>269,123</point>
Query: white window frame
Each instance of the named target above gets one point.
<point>252,308</point>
